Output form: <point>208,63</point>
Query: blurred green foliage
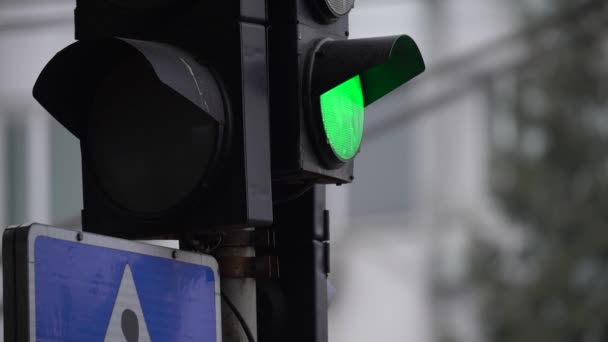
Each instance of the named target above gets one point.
<point>550,176</point>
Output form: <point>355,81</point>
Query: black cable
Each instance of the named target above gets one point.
<point>239,317</point>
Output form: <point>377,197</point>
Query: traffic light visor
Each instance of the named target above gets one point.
<point>151,120</point>
<point>383,63</point>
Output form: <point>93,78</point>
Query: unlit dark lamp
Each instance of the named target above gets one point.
<point>151,120</point>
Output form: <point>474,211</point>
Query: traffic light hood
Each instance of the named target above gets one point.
<point>69,83</point>
<point>383,64</point>
<point>139,108</point>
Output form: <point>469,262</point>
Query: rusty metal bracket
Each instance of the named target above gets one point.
<point>262,239</point>
<point>262,267</point>
<point>259,238</point>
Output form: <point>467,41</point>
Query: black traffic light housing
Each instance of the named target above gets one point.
<point>320,84</point>
<point>170,103</point>
<point>309,55</point>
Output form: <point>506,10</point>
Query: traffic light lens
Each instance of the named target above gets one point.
<point>149,147</point>
<point>340,7</point>
<point>342,111</point>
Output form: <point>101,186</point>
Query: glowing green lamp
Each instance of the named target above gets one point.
<point>349,75</point>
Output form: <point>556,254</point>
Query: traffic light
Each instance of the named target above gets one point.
<point>321,84</point>
<point>175,104</point>
<point>170,102</point>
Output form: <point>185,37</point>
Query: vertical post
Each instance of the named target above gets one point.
<point>242,293</point>
<point>294,307</point>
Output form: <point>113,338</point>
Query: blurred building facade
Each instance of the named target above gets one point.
<point>421,183</point>
<point>39,173</point>
<point>400,233</point>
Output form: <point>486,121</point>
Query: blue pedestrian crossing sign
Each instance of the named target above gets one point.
<point>61,285</point>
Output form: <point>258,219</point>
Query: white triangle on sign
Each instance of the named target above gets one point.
<point>127,323</point>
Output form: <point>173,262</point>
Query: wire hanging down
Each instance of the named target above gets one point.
<point>239,317</point>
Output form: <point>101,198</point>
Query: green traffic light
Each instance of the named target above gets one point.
<point>342,111</point>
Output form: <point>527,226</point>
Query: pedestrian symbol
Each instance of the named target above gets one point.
<point>127,323</point>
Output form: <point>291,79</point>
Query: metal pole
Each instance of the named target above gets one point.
<point>242,293</point>
<point>294,307</point>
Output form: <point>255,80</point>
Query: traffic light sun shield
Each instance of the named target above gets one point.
<point>403,65</point>
<point>182,74</point>
<point>67,85</point>
<point>383,63</point>
<point>152,122</point>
